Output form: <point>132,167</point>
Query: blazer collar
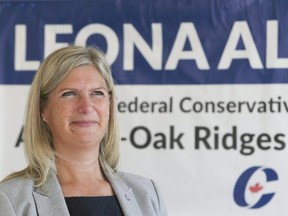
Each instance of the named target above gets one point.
<point>49,198</point>
<point>124,195</point>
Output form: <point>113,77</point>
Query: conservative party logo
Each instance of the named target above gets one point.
<point>255,187</point>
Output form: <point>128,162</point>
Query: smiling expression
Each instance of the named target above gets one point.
<point>77,110</point>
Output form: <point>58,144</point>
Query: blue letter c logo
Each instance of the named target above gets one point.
<point>241,184</point>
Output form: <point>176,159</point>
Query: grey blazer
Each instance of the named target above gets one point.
<point>19,196</point>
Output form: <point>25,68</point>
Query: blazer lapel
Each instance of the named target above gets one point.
<point>49,198</point>
<point>50,201</point>
<point>124,195</point>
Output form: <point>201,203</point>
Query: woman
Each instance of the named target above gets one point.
<point>72,145</point>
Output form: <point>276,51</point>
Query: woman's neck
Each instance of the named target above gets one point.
<point>82,178</point>
<point>78,167</point>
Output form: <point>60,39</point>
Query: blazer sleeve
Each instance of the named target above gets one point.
<point>6,208</point>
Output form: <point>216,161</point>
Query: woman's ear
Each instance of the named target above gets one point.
<point>43,117</point>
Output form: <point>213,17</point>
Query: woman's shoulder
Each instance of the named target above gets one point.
<point>16,184</point>
<point>133,178</point>
<point>138,183</point>
<point>145,191</point>
<point>16,196</point>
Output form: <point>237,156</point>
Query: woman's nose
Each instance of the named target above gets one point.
<point>85,104</point>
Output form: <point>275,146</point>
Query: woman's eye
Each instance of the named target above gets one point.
<point>98,93</point>
<point>70,93</point>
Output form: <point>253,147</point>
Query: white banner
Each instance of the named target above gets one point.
<point>196,142</point>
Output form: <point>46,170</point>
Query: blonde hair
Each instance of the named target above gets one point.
<point>38,143</point>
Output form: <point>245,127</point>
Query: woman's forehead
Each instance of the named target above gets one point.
<point>84,75</point>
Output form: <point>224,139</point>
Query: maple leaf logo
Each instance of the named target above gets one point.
<point>255,188</point>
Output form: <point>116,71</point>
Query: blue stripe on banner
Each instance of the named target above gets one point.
<point>153,41</point>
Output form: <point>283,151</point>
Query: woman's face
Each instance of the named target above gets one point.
<point>77,111</point>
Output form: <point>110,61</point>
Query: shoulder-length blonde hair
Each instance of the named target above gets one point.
<point>38,144</point>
